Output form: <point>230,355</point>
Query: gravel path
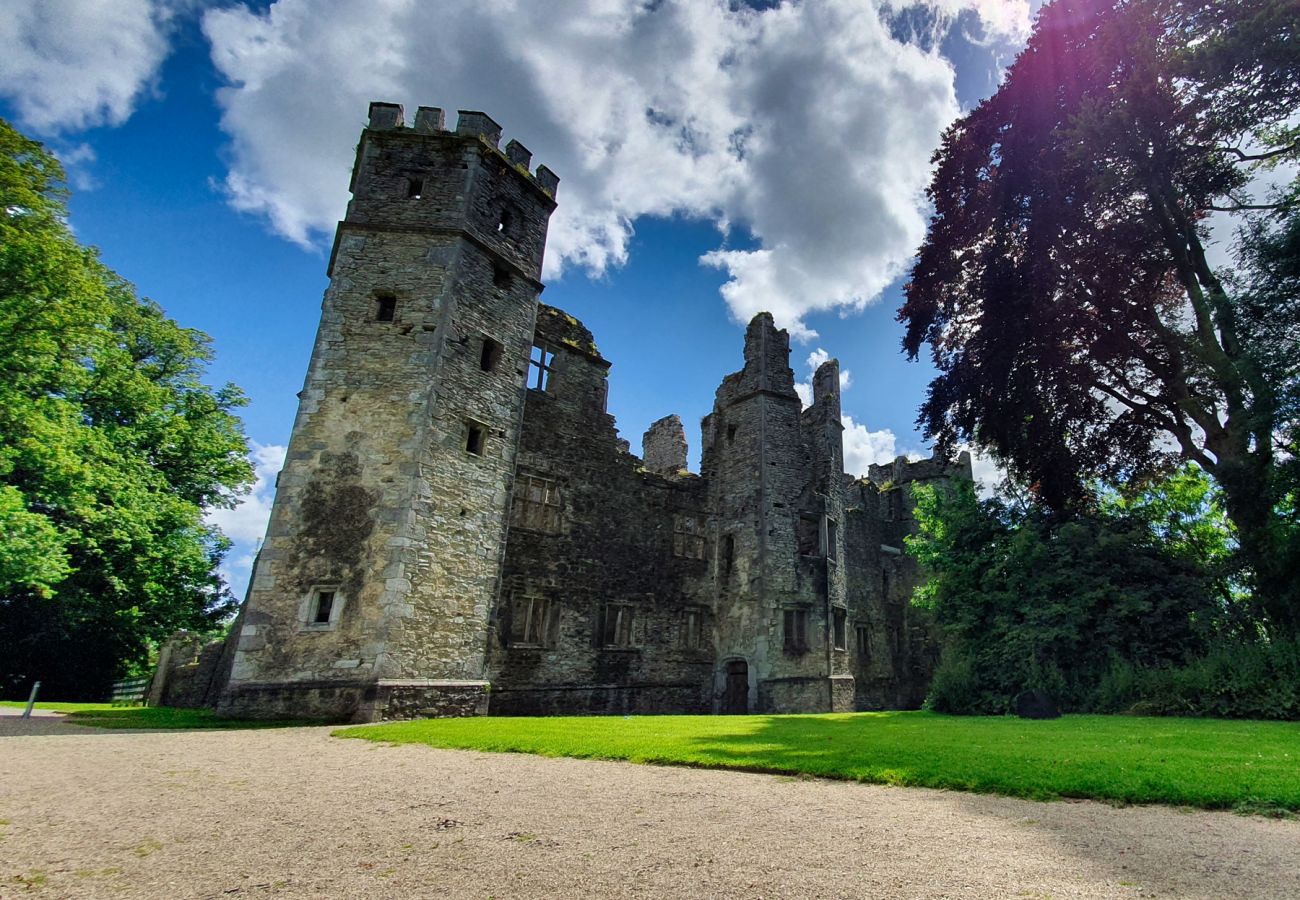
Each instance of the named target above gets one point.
<point>296,813</point>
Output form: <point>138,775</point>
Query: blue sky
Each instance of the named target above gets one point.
<point>715,160</point>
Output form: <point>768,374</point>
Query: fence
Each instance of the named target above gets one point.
<point>130,691</point>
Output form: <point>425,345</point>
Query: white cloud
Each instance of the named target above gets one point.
<point>985,470</point>
<point>806,124</point>
<point>863,448</point>
<point>814,362</point>
<point>245,524</point>
<point>70,65</point>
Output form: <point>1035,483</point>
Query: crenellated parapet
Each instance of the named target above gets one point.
<point>430,120</point>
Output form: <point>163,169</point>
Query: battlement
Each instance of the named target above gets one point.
<point>470,123</point>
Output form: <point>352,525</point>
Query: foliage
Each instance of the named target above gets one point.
<point>1027,601</point>
<point>105,715</point>
<point>1237,679</point>
<point>1079,331</point>
<point>1189,762</point>
<point>111,447</point>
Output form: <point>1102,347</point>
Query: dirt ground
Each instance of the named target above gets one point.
<point>296,813</point>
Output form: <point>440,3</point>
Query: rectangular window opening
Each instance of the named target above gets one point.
<point>796,631</point>
<point>832,540</point>
<point>532,622</point>
<point>540,366</point>
<point>688,537</point>
<point>475,438</point>
<point>807,535</point>
<point>500,275</point>
<point>619,625</point>
<point>414,188</point>
<point>385,307</point>
<point>864,641</point>
<point>839,618</point>
<point>323,607</point>
<point>536,504</point>
<point>728,555</point>
<point>693,627</point>
<point>490,356</point>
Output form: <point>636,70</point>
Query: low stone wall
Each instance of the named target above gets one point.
<point>356,701</point>
<point>585,700</point>
<point>796,695</point>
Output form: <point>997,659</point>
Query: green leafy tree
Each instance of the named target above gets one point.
<point>111,448</point>
<point>1026,600</point>
<point>1064,289</point>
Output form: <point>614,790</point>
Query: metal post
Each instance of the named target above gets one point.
<point>31,701</point>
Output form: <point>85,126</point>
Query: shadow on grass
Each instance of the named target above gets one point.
<point>1206,763</point>
<point>164,718</point>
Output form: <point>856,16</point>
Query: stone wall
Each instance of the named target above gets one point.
<point>383,549</point>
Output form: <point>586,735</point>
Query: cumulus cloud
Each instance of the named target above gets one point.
<point>245,524</point>
<point>863,448</point>
<point>814,362</point>
<point>808,125</point>
<point>69,65</point>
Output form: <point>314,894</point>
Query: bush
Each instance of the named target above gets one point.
<point>1240,680</point>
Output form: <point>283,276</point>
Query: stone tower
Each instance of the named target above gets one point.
<point>373,591</point>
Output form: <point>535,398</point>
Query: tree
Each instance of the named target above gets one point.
<point>1027,600</point>
<point>111,447</point>
<point>1064,288</point>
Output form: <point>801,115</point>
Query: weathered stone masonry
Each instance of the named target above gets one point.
<point>459,528</point>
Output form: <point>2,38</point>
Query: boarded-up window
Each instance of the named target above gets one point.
<point>688,537</point>
<point>532,622</point>
<point>536,504</point>
<point>618,625</point>
<point>864,642</point>
<point>796,631</point>
<point>693,627</point>
<point>807,535</point>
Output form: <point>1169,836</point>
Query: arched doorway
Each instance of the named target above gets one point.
<point>735,688</point>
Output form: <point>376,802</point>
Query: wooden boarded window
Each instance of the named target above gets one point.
<point>796,631</point>
<point>693,627</point>
<point>532,622</point>
<point>688,537</point>
<point>618,625</point>
<point>536,504</point>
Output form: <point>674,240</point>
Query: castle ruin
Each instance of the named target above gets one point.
<point>459,529</point>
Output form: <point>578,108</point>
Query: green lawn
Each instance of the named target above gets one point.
<point>1211,763</point>
<point>105,715</point>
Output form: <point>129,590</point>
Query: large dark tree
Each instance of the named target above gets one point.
<point>111,446</point>
<point>1064,289</point>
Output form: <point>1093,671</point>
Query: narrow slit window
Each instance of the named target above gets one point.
<point>839,620</point>
<point>475,438</point>
<point>415,188</point>
<point>540,366</point>
<point>832,540</point>
<point>731,434</point>
<point>728,555</point>
<point>385,307</point>
<point>693,628</point>
<point>505,222</point>
<point>490,357</point>
<point>322,608</point>
<point>796,631</point>
<point>864,641</point>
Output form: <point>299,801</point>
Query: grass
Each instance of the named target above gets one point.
<point>1207,763</point>
<point>105,715</point>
